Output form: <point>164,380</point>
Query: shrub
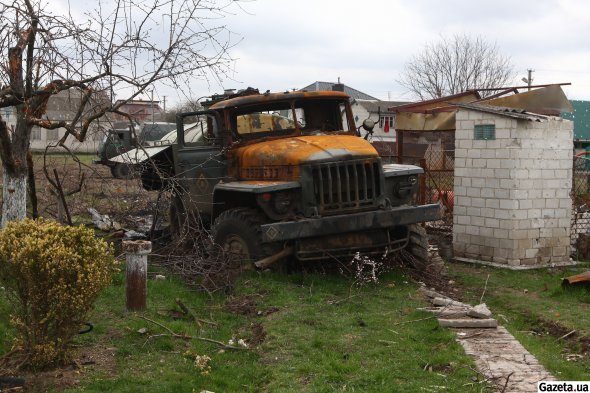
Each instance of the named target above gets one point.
<point>52,275</point>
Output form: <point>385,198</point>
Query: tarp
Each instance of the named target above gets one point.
<point>550,100</point>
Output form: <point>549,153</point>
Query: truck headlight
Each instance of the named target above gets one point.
<point>282,202</point>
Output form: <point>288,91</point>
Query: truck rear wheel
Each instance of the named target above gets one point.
<point>237,233</point>
<point>418,246</point>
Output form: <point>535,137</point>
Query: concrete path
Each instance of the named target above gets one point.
<point>500,358</point>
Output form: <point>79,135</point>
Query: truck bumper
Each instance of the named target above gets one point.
<point>347,223</point>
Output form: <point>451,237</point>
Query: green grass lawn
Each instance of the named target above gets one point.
<point>63,158</point>
<point>312,332</point>
<point>320,333</point>
<point>534,307</point>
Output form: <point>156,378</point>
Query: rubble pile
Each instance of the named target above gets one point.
<point>452,313</point>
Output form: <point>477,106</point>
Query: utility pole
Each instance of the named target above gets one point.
<point>529,80</point>
<point>152,105</point>
<point>164,99</point>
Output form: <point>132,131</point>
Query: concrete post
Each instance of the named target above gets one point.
<point>136,279</point>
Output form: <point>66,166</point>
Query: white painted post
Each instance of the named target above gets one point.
<point>136,279</point>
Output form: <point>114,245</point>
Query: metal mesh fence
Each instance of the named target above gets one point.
<point>580,228</point>
<point>436,185</point>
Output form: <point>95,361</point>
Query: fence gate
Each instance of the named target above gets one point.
<point>580,224</point>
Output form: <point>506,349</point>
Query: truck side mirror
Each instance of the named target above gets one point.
<point>368,125</point>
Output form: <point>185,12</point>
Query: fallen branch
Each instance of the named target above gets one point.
<point>187,337</point>
<point>566,335</point>
<point>485,287</point>
<point>188,312</point>
<point>506,383</point>
<point>12,361</point>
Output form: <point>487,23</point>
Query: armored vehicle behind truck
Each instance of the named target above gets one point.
<point>125,136</point>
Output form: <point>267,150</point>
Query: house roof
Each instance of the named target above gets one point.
<point>353,93</point>
<point>581,118</point>
<point>376,106</point>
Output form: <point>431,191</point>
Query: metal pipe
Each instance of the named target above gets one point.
<point>136,277</point>
<point>266,262</point>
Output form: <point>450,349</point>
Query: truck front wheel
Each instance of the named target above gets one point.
<point>237,233</point>
<point>418,246</point>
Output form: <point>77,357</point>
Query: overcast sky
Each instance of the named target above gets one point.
<point>290,44</point>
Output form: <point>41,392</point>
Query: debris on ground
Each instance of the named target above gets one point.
<point>103,222</point>
<point>452,313</point>
<point>134,235</point>
<point>499,357</point>
<point>106,223</point>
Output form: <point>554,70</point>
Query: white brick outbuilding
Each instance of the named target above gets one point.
<point>513,176</point>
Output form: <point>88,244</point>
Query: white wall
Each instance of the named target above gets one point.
<point>512,194</point>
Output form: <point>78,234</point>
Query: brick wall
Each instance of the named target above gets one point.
<point>512,203</point>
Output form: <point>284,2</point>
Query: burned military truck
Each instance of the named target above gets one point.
<point>288,173</point>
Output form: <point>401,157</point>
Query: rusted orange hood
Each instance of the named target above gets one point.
<point>301,149</point>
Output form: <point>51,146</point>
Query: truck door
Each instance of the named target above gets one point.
<point>199,163</point>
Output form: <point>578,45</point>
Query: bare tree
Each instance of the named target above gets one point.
<point>189,105</point>
<point>121,47</point>
<point>455,65</point>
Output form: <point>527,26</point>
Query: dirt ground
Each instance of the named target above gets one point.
<point>88,185</point>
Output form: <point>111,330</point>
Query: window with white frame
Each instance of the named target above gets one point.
<point>386,119</point>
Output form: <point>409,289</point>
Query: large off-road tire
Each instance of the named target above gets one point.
<point>121,171</point>
<point>418,247</point>
<point>237,232</point>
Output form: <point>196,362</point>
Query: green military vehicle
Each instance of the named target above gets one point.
<point>287,173</point>
<point>123,137</point>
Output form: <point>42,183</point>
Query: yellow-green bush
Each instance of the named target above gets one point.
<point>52,274</point>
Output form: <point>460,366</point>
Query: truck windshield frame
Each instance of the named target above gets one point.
<point>319,116</point>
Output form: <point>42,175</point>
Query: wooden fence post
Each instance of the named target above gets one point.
<point>136,279</point>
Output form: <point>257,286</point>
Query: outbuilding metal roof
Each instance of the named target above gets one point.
<point>503,111</point>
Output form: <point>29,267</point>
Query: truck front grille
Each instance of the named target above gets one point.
<point>343,186</point>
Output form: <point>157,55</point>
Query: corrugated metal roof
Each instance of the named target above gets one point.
<point>581,118</point>
<point>353,93</point>
<point>503,111</point>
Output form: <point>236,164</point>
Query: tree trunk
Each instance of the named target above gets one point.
<point>14,201</point>
<point>31,185</point>
<point>14,146</point>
